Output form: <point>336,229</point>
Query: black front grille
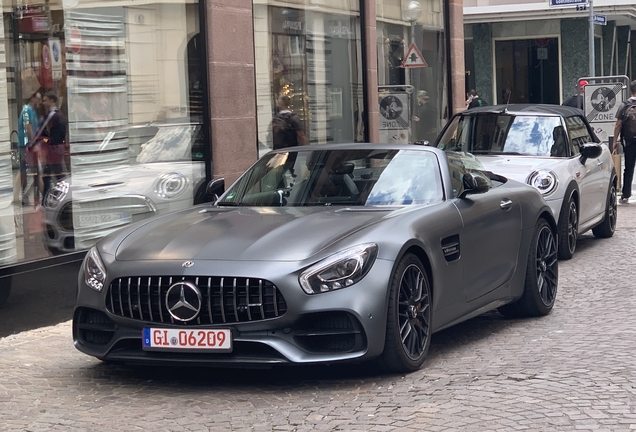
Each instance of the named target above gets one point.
<point>223,300</point>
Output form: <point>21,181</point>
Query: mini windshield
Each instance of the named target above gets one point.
<point>339,177</point>
<point>492,133</point>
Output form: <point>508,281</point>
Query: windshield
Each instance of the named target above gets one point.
<point>339,177</point>
<point>528,135</point>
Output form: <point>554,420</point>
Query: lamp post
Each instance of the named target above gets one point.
<point>411,13</point>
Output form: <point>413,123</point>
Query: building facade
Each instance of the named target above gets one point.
<point>529,52</point>
<point>154,98</point>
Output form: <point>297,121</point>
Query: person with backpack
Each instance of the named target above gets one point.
<point>474,100</point>
<point>626,127</point>
<point>287,128</point>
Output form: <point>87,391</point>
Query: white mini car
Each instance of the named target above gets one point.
<point>552,148</point>
<point>163,177</point>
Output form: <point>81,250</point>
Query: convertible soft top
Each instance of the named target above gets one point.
<point>547,109</point>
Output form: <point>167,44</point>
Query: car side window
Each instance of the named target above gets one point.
<point>579,133</point>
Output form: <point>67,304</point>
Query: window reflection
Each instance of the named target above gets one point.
<point>421,89</point>
<point>312,54</point>
<point>126,140</point>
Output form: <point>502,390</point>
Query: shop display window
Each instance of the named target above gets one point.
<point>101,119</point>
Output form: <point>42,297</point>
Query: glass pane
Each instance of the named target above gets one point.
<point>527,71</point>
<point>308,69</point>
<point>105,109</point>
<point>420,88</point>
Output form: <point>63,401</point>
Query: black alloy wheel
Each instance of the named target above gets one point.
<point>546,266</point>
<point>408,333</point>
<point>542,276</point>
<point>568,229</point>
<point>607,228</point>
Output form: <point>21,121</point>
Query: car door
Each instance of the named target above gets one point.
<point>491,237</point>
<point>590,175</point>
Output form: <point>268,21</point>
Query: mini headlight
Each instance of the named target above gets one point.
<point>56,194</point>
<point>340,270</point>
<point>171,185</point>
<point>94,270</point>
<point>545,181</point>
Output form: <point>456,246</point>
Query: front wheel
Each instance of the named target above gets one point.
<point>607,228</point>
<point>408,327</point>
<point>568,229</point>
<point>542,276</point>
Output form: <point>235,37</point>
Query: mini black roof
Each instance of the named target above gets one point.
<point>545,109</point>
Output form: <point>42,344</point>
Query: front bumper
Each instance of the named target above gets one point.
<point>343,325</point>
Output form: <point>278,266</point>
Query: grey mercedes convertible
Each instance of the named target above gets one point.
<point>321,254</point>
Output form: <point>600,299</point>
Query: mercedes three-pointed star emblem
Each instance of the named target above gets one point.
<point>183,301</point>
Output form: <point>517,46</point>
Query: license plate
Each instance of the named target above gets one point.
<point>158,339</point>
<point>102,218</point>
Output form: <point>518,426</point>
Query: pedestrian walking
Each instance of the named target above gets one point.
<point>576,101</point>
<point>625,127</point>
<point>287,128</point>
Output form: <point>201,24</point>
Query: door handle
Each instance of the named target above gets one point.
<point>600,163</point>
<point>505,204</point>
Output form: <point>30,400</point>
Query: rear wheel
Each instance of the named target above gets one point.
<point>408,327</point>
<point>568,229</point>
<point>542,276</point>
<point>607,228</point>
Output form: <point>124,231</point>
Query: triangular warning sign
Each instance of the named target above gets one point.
<point>414,58</point>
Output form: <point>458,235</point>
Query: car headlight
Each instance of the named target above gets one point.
<point>171,185</point>
<point>94,270</point>
<point>545,181</point>
<point>340,270</point>
<point>56,194</point>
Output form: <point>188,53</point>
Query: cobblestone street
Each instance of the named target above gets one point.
<point>572,370</point>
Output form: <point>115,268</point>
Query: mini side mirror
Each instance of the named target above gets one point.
<point>590,151</point>
<point>215,189</point>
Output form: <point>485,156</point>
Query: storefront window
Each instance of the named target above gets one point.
<point>101,114</point>
<point>412,89</point>
<point>310,59</point>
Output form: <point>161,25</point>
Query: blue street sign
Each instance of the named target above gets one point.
<point>565,3</point>
<point>600,19</point>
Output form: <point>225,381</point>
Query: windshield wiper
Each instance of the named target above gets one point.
<point>228,203</point>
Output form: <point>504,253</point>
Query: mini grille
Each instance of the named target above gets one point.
<point>224,300</point>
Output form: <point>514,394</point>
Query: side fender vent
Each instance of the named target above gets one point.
<point>450,247</point>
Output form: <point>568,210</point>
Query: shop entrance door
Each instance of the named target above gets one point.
<point>527,71</point>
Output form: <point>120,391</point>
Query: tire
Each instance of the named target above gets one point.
<point>607,228</point>
<point>542,276</point>
<point>408,326</point>
<point>568,229</point>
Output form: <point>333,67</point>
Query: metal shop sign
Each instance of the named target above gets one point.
<point>566,3</point>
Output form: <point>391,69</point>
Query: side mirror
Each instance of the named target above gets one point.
<point>215,189</point>
<point>475,183</point>
<point>590,151</point>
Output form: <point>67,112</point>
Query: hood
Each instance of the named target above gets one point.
<point>517,167</point>
<point>244,234</point>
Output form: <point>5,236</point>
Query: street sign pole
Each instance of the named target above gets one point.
<point>591,37</point>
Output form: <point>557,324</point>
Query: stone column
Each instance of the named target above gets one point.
<point>232,87</point>
<point>482,40</point>
<point>574,53</point>
<point>457,66</point>
<point>371,71</point>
